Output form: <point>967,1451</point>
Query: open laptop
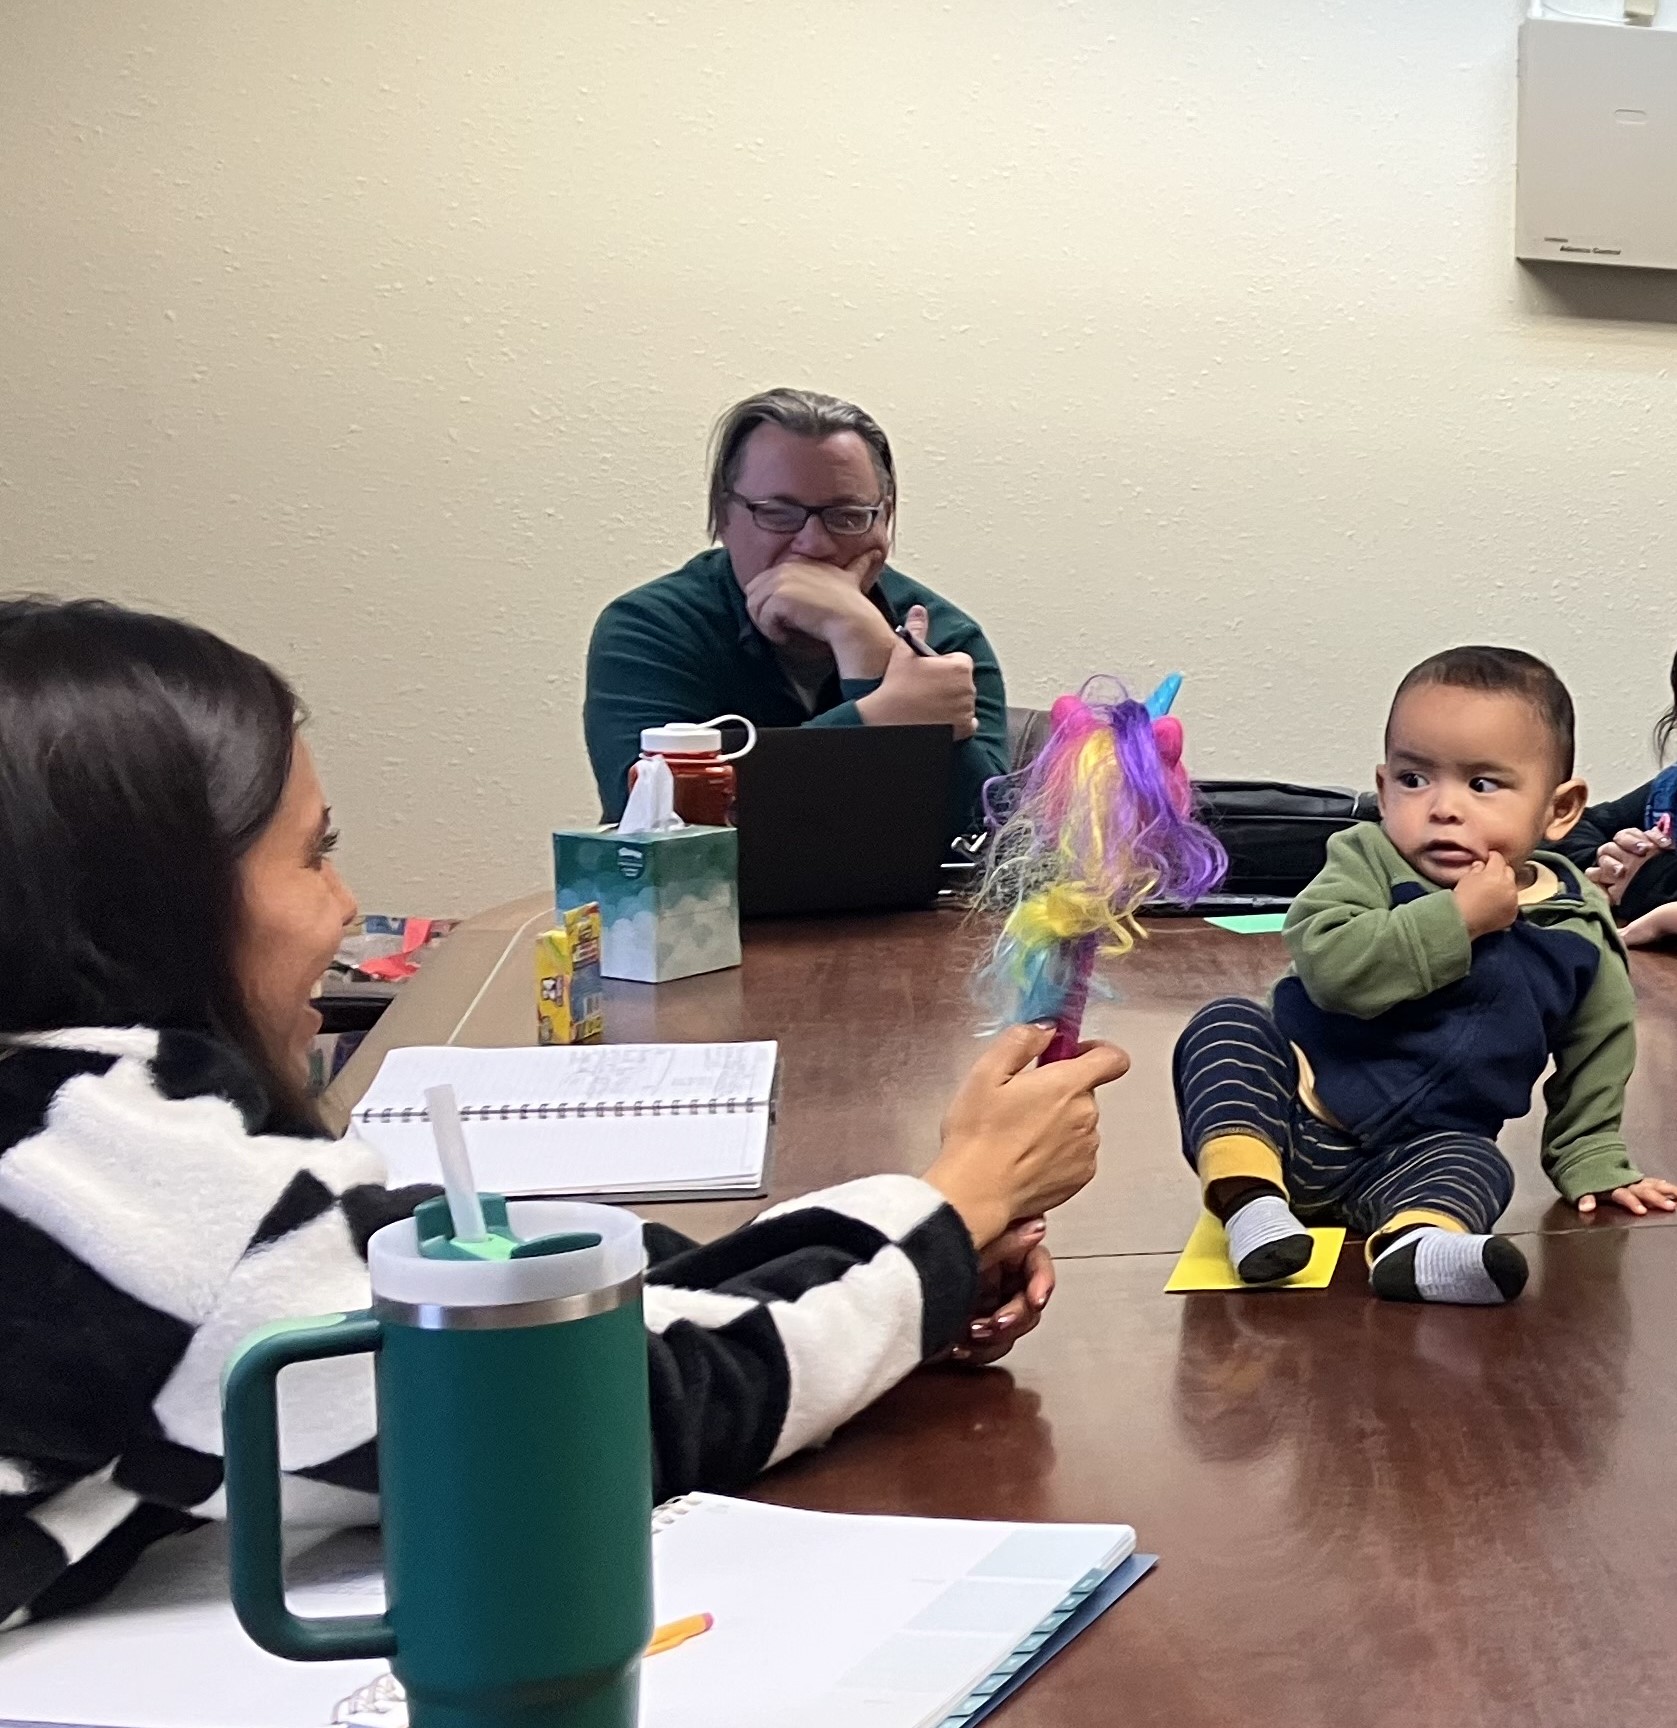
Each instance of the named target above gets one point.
<point>843,818</point>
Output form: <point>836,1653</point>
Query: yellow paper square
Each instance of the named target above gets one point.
<point>1205,1262</point>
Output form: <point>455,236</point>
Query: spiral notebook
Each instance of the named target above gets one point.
<point>831,1620</point>
<point>820,1620</point>
<point>614,1121</point>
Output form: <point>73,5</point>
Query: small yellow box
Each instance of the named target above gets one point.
<point>570,1001</point>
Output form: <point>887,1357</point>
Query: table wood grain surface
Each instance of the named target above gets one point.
<point>1367,1514</point>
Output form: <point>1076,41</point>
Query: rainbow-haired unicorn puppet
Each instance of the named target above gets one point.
<point>1098,825</point>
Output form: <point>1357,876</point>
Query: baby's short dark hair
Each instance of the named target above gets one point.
<point>1502,672</point>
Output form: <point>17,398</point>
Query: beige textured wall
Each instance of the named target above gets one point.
<point>384,337</point>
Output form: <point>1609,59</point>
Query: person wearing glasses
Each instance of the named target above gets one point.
<point>795,619</point>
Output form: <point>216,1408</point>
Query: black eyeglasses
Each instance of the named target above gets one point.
<point>782,516</point>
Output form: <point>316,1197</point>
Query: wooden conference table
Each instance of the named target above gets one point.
<point>1368,1514</point>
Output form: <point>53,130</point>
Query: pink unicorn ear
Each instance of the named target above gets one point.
<point>1167,734</point>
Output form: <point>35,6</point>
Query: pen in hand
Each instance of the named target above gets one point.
<point>914,642</point>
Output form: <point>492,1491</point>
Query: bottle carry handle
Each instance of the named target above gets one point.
<point>250,1443</point>
<point>750,735</point>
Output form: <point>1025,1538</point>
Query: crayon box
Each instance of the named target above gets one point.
<point>570,1004</point>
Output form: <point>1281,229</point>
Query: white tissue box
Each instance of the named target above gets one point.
<point>669,902</point>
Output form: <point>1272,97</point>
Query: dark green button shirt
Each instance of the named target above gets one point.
<point>684,648</point>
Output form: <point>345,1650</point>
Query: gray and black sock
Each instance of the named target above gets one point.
<point>1266,1242</point>
<point>1431,1264</point>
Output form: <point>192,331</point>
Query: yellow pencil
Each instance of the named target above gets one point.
<point>678,1632</point>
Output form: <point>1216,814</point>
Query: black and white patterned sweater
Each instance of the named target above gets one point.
<point>147,1225</point>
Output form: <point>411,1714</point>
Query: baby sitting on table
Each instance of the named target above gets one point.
<point>1440,960</point>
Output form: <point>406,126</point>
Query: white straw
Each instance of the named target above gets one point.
<point>464,1207</point>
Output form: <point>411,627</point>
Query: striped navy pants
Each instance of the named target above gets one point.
<point>1236,1073</point>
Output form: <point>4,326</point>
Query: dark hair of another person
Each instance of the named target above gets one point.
<point>1667,723</point>
<point>142,758</point>
<point>1503,672</point>
<point>806,414</point>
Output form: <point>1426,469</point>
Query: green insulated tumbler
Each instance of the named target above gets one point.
<point>514,1469</point>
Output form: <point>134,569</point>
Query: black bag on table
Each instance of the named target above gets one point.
<point>1276,835</point>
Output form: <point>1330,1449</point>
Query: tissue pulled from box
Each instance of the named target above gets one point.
<point>651,806</point>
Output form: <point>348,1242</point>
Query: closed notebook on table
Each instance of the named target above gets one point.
<point>606,1121</point>
<point>819,1620</point>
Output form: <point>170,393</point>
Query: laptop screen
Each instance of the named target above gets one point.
<point>844,818</point>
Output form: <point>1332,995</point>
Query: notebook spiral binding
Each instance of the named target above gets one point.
<point>382,1697</point>
<point>554,1112</point>
<point>383,1700</point>
<point>664,1516</point>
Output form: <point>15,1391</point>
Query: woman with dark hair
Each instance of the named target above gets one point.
<point>1627,848</point>
<point>167,903</point>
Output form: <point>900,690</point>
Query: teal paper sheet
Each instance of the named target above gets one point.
<point>1252,923</point>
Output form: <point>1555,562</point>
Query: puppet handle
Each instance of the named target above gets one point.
<point>1068,1023</point>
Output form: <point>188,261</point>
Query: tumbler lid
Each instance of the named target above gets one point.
<point>558,1249</point>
